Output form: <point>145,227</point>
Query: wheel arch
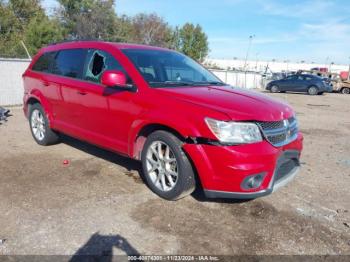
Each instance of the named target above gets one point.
<point>275,85</point>
<point>37,97</point>
<point>343,88</point>
<point>313,85</point>
<point>32,101</point>
<point>29,102</point>
<point>138,140</point>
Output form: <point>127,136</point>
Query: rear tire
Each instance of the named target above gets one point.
<point>168,171</point>
<point>274,89</point>
<point>312,90</point>
<point>39,126</point>
<point>345,90</point>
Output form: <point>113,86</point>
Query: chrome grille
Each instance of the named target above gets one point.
<point>271,125</point>
<point>280,133</point>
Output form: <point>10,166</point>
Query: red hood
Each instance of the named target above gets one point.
<point>238,104</point>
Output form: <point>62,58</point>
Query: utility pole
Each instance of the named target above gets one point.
<point>287,61</point>
<point>326,64</point>
<point>256,69</point>
<point>248,50</point>
<point>256,61</point>
<point>246,59</point>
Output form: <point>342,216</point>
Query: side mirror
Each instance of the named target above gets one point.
<point>114,78</point>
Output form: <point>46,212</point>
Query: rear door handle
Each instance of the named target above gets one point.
<point>83,93</point>
<point>46,83</point>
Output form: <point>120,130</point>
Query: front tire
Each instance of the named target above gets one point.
<point>274,89</point>
<point>39,126</point>
<point>167,169</point>
<point>345,90</point>
<point>312,90</point>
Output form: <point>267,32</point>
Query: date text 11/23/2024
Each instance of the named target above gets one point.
<point>173,258</point>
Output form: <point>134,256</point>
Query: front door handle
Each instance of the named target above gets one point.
<point>46,83</point>
<point>83,93</point>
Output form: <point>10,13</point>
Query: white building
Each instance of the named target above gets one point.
<point>274,66</point>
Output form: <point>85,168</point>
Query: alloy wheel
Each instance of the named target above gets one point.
<point>38,124</point>
<point>274,89</point>
<point>346,90</point>
<point>162,167</point>
<point>312,91</point>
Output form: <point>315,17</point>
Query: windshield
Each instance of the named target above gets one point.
<point>161,68</point>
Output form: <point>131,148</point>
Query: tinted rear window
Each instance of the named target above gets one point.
<point>70,63</point>
<point>312,77</point>
<point>44,63</point>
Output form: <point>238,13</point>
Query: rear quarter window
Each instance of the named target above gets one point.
<point>45,62</point>
<point>70,63</point>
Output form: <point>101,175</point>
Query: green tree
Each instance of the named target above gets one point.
<point>9,23</point>
<point>193,41</point>
<point>14,18</point>
<point>88,19</point>
<point>25,10</point>
<point>124,30</point>
<point>42,31</point>
<point>176,41</point>
<point>151,29</point>
<point>10,32</point>
<point>25,20</point>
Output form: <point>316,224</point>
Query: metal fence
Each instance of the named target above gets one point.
<point>240,79</point>
<point>11,88</point>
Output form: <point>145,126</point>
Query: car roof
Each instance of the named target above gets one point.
<point>313,76</point>
<point>137,46</point>
<point>308,75</point>
<point>96,43</point>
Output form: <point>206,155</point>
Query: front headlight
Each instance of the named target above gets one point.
<point>234,132</point>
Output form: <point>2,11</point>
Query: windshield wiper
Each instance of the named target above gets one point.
<point>184,83</point>
<point>214,83</point>
<point>171,83</point>
<point>178,83</point>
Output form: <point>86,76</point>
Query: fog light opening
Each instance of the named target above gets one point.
<point>253,182</point>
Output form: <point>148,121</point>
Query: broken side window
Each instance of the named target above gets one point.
<point>97,62</point>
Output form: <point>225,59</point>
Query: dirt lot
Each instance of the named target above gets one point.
<point>99,204</point>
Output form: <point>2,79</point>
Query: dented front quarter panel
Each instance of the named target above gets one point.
<point>187,119</point>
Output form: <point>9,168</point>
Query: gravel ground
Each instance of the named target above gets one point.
<point>98,204</point>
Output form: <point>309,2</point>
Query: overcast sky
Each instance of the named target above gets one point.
<point>284,30</point>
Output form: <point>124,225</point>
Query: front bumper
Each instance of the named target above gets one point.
<point>223,169</point>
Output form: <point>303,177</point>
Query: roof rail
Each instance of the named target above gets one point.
<point>75,40</point>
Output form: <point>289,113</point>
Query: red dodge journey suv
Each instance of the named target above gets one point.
<point>156,105</point>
